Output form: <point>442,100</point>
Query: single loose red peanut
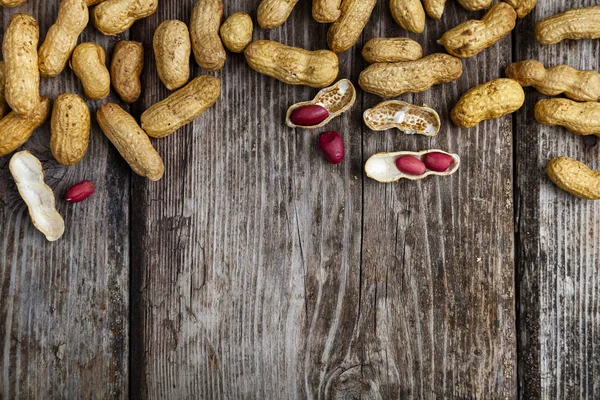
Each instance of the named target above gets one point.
<point>410,165</point>
<point>333,146</point>
<point>309,115</point>
<point>438,162</point>
<point>79,192</point>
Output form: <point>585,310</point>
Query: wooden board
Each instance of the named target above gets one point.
<point>64,306</point>
<point>559,252</point>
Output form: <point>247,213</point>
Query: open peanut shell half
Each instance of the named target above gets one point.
<point>336,99</point>
<point>382,166</point>
<point>406,117</point>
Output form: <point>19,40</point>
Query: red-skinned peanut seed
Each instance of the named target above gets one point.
<point>80,192</point>
<point>333,146</point>
<point>309,115</point>
<point>438,162</point>
<point>410,165</point>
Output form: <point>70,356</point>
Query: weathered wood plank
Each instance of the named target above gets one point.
<point>559,245</point>
<point>64,305</point>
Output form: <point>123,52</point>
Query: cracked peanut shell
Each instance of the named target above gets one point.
<point>579,118</point>
<point>577,23</point>
<point>382,166</point>
<point>574,177</point>
<point>399,49</point>
<point>344,32</point>
<point>406,117</point>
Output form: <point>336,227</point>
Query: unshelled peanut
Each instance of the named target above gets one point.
<point>131,141</point>
<point>579,118</point>
<point>172,49</point>
<point>182,107</point>
<point>126,68</point>
<point>273,13</point>
<point>112,17</point>
<point>344,33</point>
<point>4,108</point>
<point>69,129</point>
<point>394,79</point>
<point>522,7</point>
<point>474,5</point>
<point>326,11</point>
<point>575,84</point>
<point>21,73</point>
<point>204,31</point>
<point>409,14</point>
<point>89,64</point>
<point>489,100</point>
<point>578,23</point>
<point>574,177</point>
<point>236,32</point>
<point>11,3</point>
<point>16,129</point>
<point>293,65</point>
<point>471,37</point>
<point>93,2</point>
<point>434,8</point>
<point>61,39</point>
<point>379,50</point>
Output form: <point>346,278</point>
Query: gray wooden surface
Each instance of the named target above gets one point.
<point>256,270</point>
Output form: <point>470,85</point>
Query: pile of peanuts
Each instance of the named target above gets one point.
<point>397,67</point>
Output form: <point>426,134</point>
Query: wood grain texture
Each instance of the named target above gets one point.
<point>64,305</point>
<point>559,244</point>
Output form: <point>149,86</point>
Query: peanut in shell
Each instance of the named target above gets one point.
<point>205,22</point>
<point>89,64</point>
<point>579,118</point>
<point>69,129</point>
<point>574,177</point>
<point>344,32</point>
<point>326,11</point>
<point>577,23</point>
<point>379,50</point>
<point>236,32</point>
<point>273,13</point>
<point>112,17</point>
<point>4,108</point>
<point>474,5</point>
<point>126,68</point>
<point>434,8</point>
<point>522,7</point>
<point>409,14</point>
<point>16,129</point>
<point>11,3</point>
<point>172,49</point>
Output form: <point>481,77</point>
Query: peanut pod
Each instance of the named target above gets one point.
<point>326,11</point>
<point>394,79</point>
<point>112,17</point>
<point>11,3</point>
<point>577,23</point>
<point>578,118</point>
<point>89,64</point>
<point>409,14</point>
<point>344,32</point>
<point>406,117</point>
<point>574,177</point>
<point>61,39</point>
<point>379,50</point>
<point>489,100</point>
<point>182,107</point>
<point>172,49</point>
<point>69,129</point>
<point>336,99</point>
<point>131,141</point>
<point>204,31</point>
<point>93,2</point>
<point>575,84</point>
<point>16,129</point>
<point>434,8</point>
<point>293,65</point>
<point>474,5</point>
<point>522,7</point>
<point>236,32</point>
<point>382,166</point>
<point>126,68</point>
<point>28,174</point>
<point>21,73</point>
<point>4,108</point>
<point>471,37</point>
<point>273,13</point>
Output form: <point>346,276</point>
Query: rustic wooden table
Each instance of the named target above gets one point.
<point>256,270</point>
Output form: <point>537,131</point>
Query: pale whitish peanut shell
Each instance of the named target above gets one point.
<point>336,99</point>
<point>382,166</point>
<point>574,177</point>
<point>579,118</point>
<point>28,174</point>
<point>391,50</point>
<point>577,23</point>
<point>406,117</point>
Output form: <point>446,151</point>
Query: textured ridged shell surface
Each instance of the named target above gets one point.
<point>399,49</point>
<point>236,32</point>
<point>474,5</point>
<point>273,13</point>
<point>579,118</point>
<point>577,23</point>
<point>112,17</point>
<point>344,32</point>
<point>522,7</point>
<point>574,177</point>
<point>172,49</point>
<point>126,68</point>
<point>406,117</point>
<point>89,64</point>
<point>4,108</point>
<point>382,166</point>
<point>11,3</point>
<point>205,23</point>
<point>409,14</point>
<point>16,129</point>
<point>69,129</point>
<point>326,11</point>
<point>434,8</point>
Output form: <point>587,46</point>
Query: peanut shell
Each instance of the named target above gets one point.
<point>522,7</point>
<point>409,14</point>
<point>131,141</point>
<point>112,17</point>
<point>326,11</point>
<point>11,3</point>
<point>489,100</point>
<point>434,8</point>
<point>379,50</point>
<point>293,65</point>
<point>574,177</point>
<point>394,79</point>
<point>69,129</point>
<point>474,5</point>
<point>406,117</point>
<point>16,129</point>
<point>172,49</point>
<point>204,32</point>
<point>4,108</point>
<point>182,107</point>
<point>89,64</point>
<point>336,99</point>
<point>382,166</point>
<point>236,32</point>
<point>273,13</point>
<point>579,118</point>
<point>126,68</point>
<point>344,32</point>
<point>577,23</point>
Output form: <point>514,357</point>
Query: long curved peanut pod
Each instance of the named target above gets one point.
<point>344,33</point>
<point>574,177</point>
<point>326,11</point>
<point>522,7</point>
<point>409,14</point>
<point>575,84</point>
<point>578,23</point>
<point>16,129</point>
<point>28,174</point>
<point>578,118</point>
<point>273,13</point>
<point>204,32</point>
<point>434,8</point>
